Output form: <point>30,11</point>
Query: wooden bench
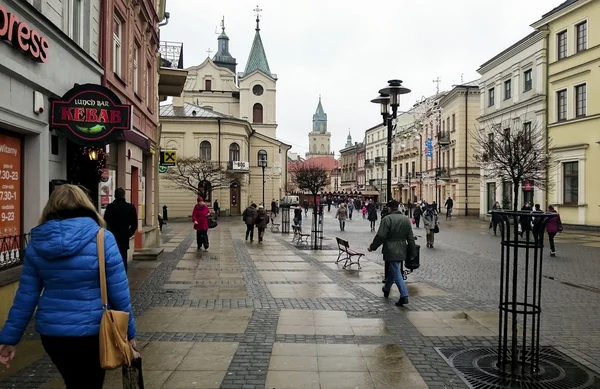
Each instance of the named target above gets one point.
<point>344,248</point>
<point>299,237</point>
<point>274,226</point>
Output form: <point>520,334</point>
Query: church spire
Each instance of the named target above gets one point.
<point>349,139</point>
<point>223,58</point>
<point>320,119</point>
<point>257,60</point>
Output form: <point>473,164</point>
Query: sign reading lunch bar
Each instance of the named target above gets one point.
<point>90,114</point>
<point>23,37</point>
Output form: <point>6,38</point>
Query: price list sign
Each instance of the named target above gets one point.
<point>10,186</point>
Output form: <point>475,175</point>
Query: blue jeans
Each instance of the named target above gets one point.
<point>396,277</point>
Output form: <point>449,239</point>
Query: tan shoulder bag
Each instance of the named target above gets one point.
<point>115,350</point>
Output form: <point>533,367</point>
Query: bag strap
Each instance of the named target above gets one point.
<point>102,267</point>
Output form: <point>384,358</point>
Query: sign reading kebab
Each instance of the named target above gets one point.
<point>90,114</point>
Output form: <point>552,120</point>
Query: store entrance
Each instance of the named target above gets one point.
<point>84,168</point>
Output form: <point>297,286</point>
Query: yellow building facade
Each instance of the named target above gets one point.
<point>573,102</point>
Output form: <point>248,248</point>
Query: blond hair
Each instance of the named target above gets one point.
<point>67,198</point>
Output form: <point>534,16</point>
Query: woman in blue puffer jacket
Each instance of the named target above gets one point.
<point>60,277</point>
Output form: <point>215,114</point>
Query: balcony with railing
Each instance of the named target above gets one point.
<point>172,76</point>
<point>369,162</point>
<point>443,138</point>
<point>380,160</point>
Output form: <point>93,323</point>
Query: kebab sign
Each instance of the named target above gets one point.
<point>90,115</point>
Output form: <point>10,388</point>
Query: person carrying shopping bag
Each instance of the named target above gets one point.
<point>62,261</point>
<point>430,223</point>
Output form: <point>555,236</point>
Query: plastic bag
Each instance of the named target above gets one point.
<point>132,375</point>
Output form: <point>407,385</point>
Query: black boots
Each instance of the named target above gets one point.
<point>403,301</point>
<point>386,293</point>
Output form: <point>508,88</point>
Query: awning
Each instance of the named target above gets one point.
<point>137,139</point>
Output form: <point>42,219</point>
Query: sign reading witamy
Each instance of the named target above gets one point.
<point>10,190</point>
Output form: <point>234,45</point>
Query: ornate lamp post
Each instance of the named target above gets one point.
<point>390,96</point>
<point>262,163</point>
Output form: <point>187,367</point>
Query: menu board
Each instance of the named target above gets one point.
<point>106,189</point>
<point>10,185</point>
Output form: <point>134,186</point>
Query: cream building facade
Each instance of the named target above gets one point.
<point>512,93</point>
<point>348,162</point>
<point>573,115</point>
<point>375,161</point>
<point>227,118</point>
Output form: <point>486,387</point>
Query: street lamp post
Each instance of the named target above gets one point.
<point>262,163</point>
<point>390,96</point>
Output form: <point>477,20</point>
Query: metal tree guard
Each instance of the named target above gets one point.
<point>520,291</point>
<point>316,233</point>
<point>285,218</point>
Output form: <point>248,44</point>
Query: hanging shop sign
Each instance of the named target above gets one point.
<point>23,37</point>
<point>90,114</point>
<point>168,158</point>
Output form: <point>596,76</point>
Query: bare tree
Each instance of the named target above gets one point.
<point>515,152</point>
<point>198,176</point>
<point>311,178</point>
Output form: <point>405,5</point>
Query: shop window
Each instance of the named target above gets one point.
<point>571,183</point>
<point>234,152</point>
<point>54,145</point>
<point>205,150</point>
<point>257,113</point>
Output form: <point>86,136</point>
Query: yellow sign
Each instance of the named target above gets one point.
<point>168,158</point>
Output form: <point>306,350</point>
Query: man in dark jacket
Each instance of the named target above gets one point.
<point>396,235</point>
<point>121,219</point>
<point>248,216</point>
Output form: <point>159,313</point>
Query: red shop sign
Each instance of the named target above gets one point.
<point>527,186</point>
<point>23,37</point>
<point>10,186</point>
<point>90,114</point>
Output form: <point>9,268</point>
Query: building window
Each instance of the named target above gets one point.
<point>571,183</point>
<point>234,152</point>
<point>136,68</point>
<point>581,29</point>
<point>262,156</point>
<point>561,38</point>
<point>396,171</point>
<point>205,150</point>
<point>507,141</point>
<point>491,97</point>
<point>117,45</point>
<point>207,85</point>
<point>527,131</point>
<point>149,86</point>
<point>528,80</point>
<point>507,89</point>
<point>453,122</point>
<point>580,100</point>
<point>561,105</point>
<point>75,20</point>
<point>453,158</point>
<point>443,125</point>
<point>257,113</point>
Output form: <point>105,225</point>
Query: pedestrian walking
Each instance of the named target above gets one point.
<point>121,219</point>
<point>248,217</point>
<point>342,215</point>
<point>298,217</point>
<point>553,227</point>
<point>396,235</point>
<point>364,211</point>
<point>261,219</point>
<point>200,217</point>
<point>274,208</point>
<point>350,209</point>
<point>449,204</point>
<point>417,215</point>
<point>496,218</point>
<point>525,221</point>
<point>372,215</point>
<point>60,282</point>
<point>430,223</point>
<point>305,206</point>
<point>217,208</point>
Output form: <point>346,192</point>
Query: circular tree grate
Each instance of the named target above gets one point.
<point>477,367</point>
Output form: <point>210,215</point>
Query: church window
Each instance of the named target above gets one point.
<point>234,152</point>
<point>208,85</point>
<point>257,113</point>
<point>205,150</point>
<point>257,90</point>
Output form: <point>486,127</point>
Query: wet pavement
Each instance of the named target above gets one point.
<point>272,315</point>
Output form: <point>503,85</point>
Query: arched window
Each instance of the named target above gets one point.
<point>257,113</point>
<point>172,145</point>
<point>262,158</point>
<point>322,148</point>
<point>234,152</point>
<point>205,150</point>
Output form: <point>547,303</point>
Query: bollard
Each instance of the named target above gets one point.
<point>165,213</point>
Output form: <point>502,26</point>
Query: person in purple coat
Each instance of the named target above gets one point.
<point>553,226</point>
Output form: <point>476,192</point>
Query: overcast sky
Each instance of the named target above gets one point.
<point>346,51</point>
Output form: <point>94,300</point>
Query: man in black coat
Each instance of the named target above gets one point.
<point>121,219</point>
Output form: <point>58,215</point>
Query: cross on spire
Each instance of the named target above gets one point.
<point>437,81</point>
<point>209,51</point>
<point>223,24</point>
<point>258,10</point>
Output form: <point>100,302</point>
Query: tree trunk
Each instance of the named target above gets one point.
<point>315,221</point>
<point>516,196</point>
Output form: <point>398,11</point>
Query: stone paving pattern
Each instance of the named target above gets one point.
<point>244,315</point>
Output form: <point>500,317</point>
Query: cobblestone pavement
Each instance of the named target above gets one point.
<point>243,315</point>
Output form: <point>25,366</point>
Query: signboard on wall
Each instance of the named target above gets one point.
<point>10,186</point>
<point>168,158</point>
<point>90,114</point>
<point>106,189</point>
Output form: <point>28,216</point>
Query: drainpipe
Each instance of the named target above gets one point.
<point>102,45</point>
<point>467,152</point>
<point>547,117</point>
<point>219,141</point>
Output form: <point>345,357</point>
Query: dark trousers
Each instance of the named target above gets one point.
<point>261,233</point>
<point>417,220</point>
<point>250,231</point>
<point>386,273</point>
<point>123,252</point>
<point>77,360</point>
<point>551,236</point>
<point>202,238</point>
<point>372,224</point>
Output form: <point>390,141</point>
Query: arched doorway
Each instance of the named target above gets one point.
<point>234,198</point>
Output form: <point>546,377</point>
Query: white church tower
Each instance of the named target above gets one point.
<point>258,88</point>
<point>319,139</point>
